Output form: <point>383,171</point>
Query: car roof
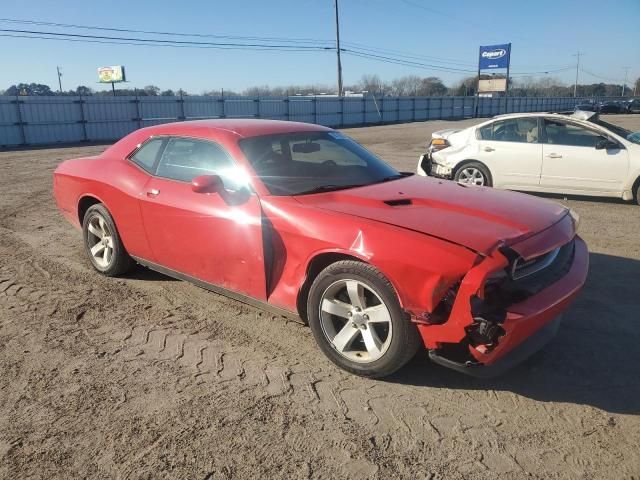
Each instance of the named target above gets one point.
<point>243,127</point>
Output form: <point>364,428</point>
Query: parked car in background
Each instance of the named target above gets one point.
<point>303,221</point>
<point>632,106</point>
<point>540,152</point>
<point>586,107</point>
<point>610,107</point>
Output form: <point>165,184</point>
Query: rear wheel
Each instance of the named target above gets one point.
<point>102,242</point>
<point>473,173</point>
<point>357,321</point>
<point>637,193</point>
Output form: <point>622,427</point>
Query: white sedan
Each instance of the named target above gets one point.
<point>540,152</point>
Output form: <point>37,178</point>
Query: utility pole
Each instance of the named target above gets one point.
<point>59,78</point>
<point>338,49</point>
<point>626,73</point>
<point>575,85</point>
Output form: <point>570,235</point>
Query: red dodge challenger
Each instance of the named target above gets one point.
<point>303,221</point>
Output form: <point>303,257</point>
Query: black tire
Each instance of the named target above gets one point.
<point>405,339</point>
<point>637,194</point>
<point>118,260</point>
<point>480,167</point>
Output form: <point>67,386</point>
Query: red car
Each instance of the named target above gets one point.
<point>303,221</point>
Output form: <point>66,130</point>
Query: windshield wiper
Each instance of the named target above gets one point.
<point>330,188</point>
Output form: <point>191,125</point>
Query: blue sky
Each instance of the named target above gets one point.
<point>544,35</point>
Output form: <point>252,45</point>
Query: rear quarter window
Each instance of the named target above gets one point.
<point>147,155</point>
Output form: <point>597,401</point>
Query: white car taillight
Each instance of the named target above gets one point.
<point>439,144</point>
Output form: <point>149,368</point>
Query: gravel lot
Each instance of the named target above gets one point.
<point>147,377</point>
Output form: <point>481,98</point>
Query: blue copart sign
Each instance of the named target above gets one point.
<point>495,56</point>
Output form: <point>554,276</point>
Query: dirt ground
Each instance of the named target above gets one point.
<point>147,377</point>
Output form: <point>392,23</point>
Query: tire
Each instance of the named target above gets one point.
<point>473,173</point>
<point>109,257</point>
<point>357,321</point>
<point>637,194</point>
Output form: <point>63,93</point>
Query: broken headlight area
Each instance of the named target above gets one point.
<point>525,278</point>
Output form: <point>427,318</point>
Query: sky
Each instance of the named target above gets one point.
<point>544,36</point>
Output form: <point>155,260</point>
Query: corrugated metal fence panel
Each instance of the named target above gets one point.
<point>241,107</point>
<point>155,110</point>
<point>42,120</point>
<point>422,108</point>
<point>373,113</point>
<point>329,111</point>
<point>196,108</point>
<point>353,111</point>
<point>405,109</point>
<point>10,132</point>
<point>389,107</point>
<point>51,120</point>
<point>302,109</point>
<point>109,118</point>
<point>275,108</point>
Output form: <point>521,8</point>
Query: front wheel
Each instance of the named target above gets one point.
<point>357,321</point>
<point>473,173</point>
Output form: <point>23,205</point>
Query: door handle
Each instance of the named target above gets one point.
<point>153,192</point>
<point>553,155</point>
<point>489,149</point>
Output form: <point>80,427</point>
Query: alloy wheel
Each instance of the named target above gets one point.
<point>355,321</point>
<point>471,176</point>
<point>100,241</point>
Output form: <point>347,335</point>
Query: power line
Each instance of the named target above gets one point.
<point>154,32</point>
<point>595,75</point>
<point>75,40</point>
<point>409,63</point>
<point>166,42</point>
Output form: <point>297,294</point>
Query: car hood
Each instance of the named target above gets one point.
<point>477,218</point>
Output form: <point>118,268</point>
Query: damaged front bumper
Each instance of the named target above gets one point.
<point>489,329</point>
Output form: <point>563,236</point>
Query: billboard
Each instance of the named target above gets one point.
<point>492,85</point>
<point>494,56</point>
<point>114,74</point>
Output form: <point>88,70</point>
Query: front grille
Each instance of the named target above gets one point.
<point>533,276</point>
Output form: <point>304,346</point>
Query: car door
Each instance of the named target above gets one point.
<point>512,151</point>
<point>571,160</point>
<point>216,238</point>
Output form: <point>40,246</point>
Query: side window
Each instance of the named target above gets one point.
<point>522,130</point>
<point>560,133</point>
<point>147,155</point>
<point>185,158</point>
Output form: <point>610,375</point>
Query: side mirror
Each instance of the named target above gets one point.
<point>207,184</point>
<point>606,144</point>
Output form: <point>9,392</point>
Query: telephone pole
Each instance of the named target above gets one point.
<point>59,78</point>
<point>575,85</point>
<point>338,49</point>
<point>626,73</point>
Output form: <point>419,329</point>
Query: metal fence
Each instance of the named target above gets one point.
<point>71,119</point>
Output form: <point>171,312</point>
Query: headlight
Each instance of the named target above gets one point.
<point>576,218</point>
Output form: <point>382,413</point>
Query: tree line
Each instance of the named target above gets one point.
<point>408,85</point>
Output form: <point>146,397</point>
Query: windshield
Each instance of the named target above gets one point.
<point>310,162</point>
<point>633,137</point>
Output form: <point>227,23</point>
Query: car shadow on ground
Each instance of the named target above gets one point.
<point>582,198</point>
<point>146,274</point>
<point>594,360</point>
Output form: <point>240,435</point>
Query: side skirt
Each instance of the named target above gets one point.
<point>220,290</point>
